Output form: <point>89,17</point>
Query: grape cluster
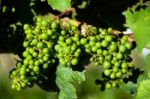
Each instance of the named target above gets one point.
<point>49,43</point>
<point>112,52</point>
<point>68,46</point>
<point>38,54</point>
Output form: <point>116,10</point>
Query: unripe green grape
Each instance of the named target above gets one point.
<point>83,41</point>
<point>122,48</point>
<point>113,47</point>
<point>128,45</point>
<point>44,23</point>
<point>74,61</point>
<point>63,32</point>
<point>107,72</point>
<point>78,50</point>
<point>106,64</point>
<point>87,46</point>
<point>26,26</point>
<point>31,50</point>
<point>109,38</point>
<point>94,48</point>
<point>124,70</point>
<point>112,75</point>
<point>119,56</point>
<point>98,44</point>
<point>115,69</point>
<point>124,65</point>
<point>125,38</point>
<point>68,41</point>
<point>99,51</point>
<point>25,44</point>
<point>37,31</point>
<point>49,45</point>
<point>116,64</point>
<point>31,62</point>
<point>105,53</point>
<point>50,32</point>
<point>96,63</point>
<point>34,54</point>
<point>92,43</point>
<point>104,43</point>
<point>45,50</point>
<point>119,74</point>
<point>40,45</point>
<point>29,36</point>
<point>29,57</point>
<point>109,30</point>
<point>25,53</point>
<point>44,36</point>
<point>54,25</point>
<point>114,84</point>
<point>37,63</point>
<point>29,31</point>
<point>108,85</point>
<point>92,38</point>
<point>73,47</point>
<point>36,69</point>
<point>73,28</point>
<point>45,66</point>
<point>45,58</point>
<point>34,41</point>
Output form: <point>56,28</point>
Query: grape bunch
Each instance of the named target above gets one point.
<point>112,52</point>
<point>50,42</point>
<point>68,46</point>
<point>38,54</point>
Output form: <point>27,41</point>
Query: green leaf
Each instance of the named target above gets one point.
<point>65,77</point>
<point>143,90</point>
<point>139,23</point>
<point>129,87</point>
<point>60,5</point>
<point>148,64</point>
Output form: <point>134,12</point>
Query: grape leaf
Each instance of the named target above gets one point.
<point>129,87</point>
<point>139,23</point>
<point>65,77</point>
<point>143,90</point>
<point>148,64</point>
<point>60,5</point>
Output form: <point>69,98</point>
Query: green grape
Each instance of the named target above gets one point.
<point>98,44</point>
<point>68,41</point>
<point>25,44</point>
<point>83,41</point>
<point>107,72</point>
<point>74,61</point>
<point>63,32</point>
<point>40,45</point>
<point>36,69</point>
<point>44,36</point>
<point>99,51</point>
<point>34,41</point>
<point>122,48</point>
<point>119,56</point>
<point>54,25</point>
<point>108,85</point>
<point>26,26</point>
<point>50,32</point>
<point>109,38</point>
<point>119,74</point>
<point>106,64</point>
<point>45,50</point>
<point>112,75</point>
<point>124,65</point>
<point>128,45</point>
<point>104,43</point>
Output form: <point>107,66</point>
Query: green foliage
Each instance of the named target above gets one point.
<point>65,79</point>
<point>139,23</point>
<point>143,90</point>
<point>148,64</point>
<point>60,5</point>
